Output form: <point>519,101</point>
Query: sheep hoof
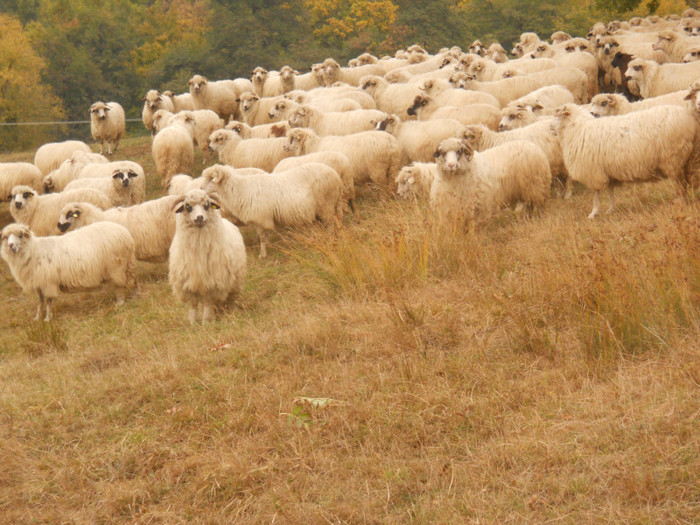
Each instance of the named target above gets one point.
<point>568,195</point>
<point>609,210</point>
<point>593,214</point>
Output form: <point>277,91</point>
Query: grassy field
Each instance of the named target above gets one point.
<point>538,371</point>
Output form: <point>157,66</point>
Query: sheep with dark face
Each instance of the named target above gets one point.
<point>118,188</point>
<point>78,260</point>
<point>107,124</point>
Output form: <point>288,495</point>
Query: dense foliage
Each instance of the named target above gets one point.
<point>78,51</point>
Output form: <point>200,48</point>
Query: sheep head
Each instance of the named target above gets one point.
<point>404,182</point>
<point>197,84</point>
<point>636,70</point>
<point>280,109</point>
<point>604,104</point>
<point>259,75</point>
<point>14,237</point>
<point>99,110</point>
<point>418,102</point>
<point>300,117</point>
<point>477,68</point>
<point>369,83</point>
<point>248,101</point>
<point>694,98</point>
<point>71,216</point>
<point>196,209</point>
<point>666,38</point>
<point>124,176</point>
<point>692,55</point>
<point>21,197</point>
<point>477,48</point>
<point>296,140</point>
<point>220,137</point>
<point>543,49</point>
<point>287,73</point>
<point>387,124</point>
<point>153,100</point>
<point>516,117</point>
<point>473,134</point>
<point>453,155</point>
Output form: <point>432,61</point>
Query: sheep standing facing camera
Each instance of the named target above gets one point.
<point>207,255</point>
<point>107,124</point>
<point>81,259</point>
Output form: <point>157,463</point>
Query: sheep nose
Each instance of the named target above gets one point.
<point>411,111</point>
<point>18,205</point>
<point>63,226</point>
<point>199,219</point>
<point>125,182</point>
<point>501,127</point>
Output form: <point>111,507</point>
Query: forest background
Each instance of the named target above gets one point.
<point>59,56</point>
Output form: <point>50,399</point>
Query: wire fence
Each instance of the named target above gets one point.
<point>22,136</point>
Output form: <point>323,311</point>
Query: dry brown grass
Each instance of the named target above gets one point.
<point>535,372</point>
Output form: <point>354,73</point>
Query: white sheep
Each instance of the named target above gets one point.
<point>505,90</point>
<point>540,133</point>
<point>263,154</point>
<point>427,108</point>
<point>18,174</point>
<point>310,80</point>
<point>415,180</point>
<point>181,102</point>
<point>390,98</point>
<point>220,96</point>
<point>497,53</point>
<point>445,93</point>
<point>607,104</point>
<point>151,224</point>
<point>334,123</point>
<point>125,172</point>
<point>635,147</point>
<point>692,55</point>
<point>582,60</point>
<point>152,102</point>
<point>572,78</point>
<point>295,197</point>
<point>78,260</point>
<point>659,79</point>
<point>70,170</point>
<point>336,160</point>
<point>181,184</point>
<point>107,124</point>
<point>41,212</point>
<point>333,102</point>
<point>675,45</point>
<point>207,264</point>
<point>486,70</point>
<point>118,188</point>
<point>545,100</point>
<point>419,139</point>
<point>375,155</point>
<point>472,185</point>
<point>173,149</point>
<point>262,131</point>
<point>332,72</point>
<point>205,123</point>
<point>274,83</point>
<point>50,156</point>
<point>528,42</point>
<point>254,110</point>
<point>513,117</point>
<point>559,37</point>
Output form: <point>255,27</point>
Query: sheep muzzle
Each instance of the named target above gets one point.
<point>63,226</point>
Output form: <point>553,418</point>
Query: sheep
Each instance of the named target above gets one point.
<point>658,79</point>
<point>575,44</point>
<point>426,108</point>
<point>310,80</point>
<point>607,104</point>
<point>335,123</point>
<point>528,42</point>
<point>675,46</point>
<point>181,184</point>
<point>477,48</point>
<point>50,156</point>
<point>263,131</point>
<point>513,117</point>
<point>151,224</point>
<point>560,36</point>
<point>273,83</point>
<point>41,212</point>
<point>205,123</point>
<point>497,53</point>
<point>332,72</point>
<point>366,58</point>
<point>471,185</point>
<point>290,198</point>
<point>124,173</point>
<point>152,102</point>
<point>418,139</point>
<point>444,93</point>
<point>504,90</point>
<point>338,102</point>
<point>107,125</point>
<point>207,264</point>
<point>70,169</point>
<point>254,110</point>
<point>415,180</point>
<point>390,98</point>
<point>118,189</point>
<point>375,156</point>
<point>263,154</point>
<point>581,60</point>
<point>639,146</point>
<point>692,55</point>
<point>572,78</point>
<point>18,173</point>
<point>220,96</point>
<point>78,260</point>
<point>545,100</point>
<point>182,102</point>
<point>539,133</point>
<point>336,160</point>
<point>173,149</point>
<point>485,70</point>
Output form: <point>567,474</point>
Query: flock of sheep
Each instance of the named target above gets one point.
<point>470,132</point>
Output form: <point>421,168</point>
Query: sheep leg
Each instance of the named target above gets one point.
<point>206,312</point>
<point>262,235</point>
<point>596,205</point>
<point>40,307</point>
<point>49,309</point>
<point>192,312</point>
<point>568,188</point>
<point>611,192</point>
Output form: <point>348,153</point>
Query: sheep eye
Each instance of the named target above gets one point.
<point>133,174</point>
<point>423,103</point>
<point>511,117</point>
<point>26,195</point>
<point>637,68</point>
<point>188,208</point>
<point>604,104</point>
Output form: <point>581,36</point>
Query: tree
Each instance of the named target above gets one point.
<point>24,97</point>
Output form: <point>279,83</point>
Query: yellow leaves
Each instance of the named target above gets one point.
<point>340,19</point>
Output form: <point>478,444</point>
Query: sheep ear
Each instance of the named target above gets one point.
<point>214,201</point>
<point>690,95</point>
<point>436,154</point>
<point>537,107</point>
<point>179,205</point>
